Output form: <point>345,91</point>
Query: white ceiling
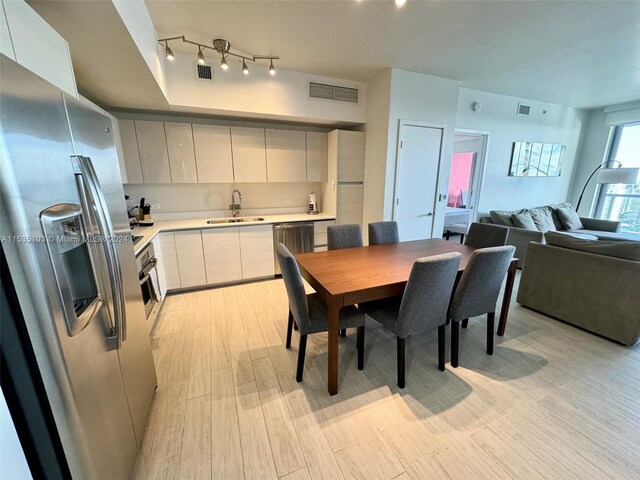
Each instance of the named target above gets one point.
<point>578,53</point>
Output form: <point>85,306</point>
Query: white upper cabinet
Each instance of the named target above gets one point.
<point>256,247</point>
<point>6,46</point>
<point>317,151</point>
<point>222,255</point>
<point>130,151</point>
<point>38,47</point>
<point>213,153</point>
<point>182,159</point>
<point>350,155</point>
<point>152,145</point>
<point>286,155</point>
<point>249,156</point>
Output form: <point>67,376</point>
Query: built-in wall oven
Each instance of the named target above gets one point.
<point>147,274</point>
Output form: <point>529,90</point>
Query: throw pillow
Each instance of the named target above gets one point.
<point>554,213</point>
<point>570,218</point>
<point>523,220</point>
<point>543,220</point>
<point>501,217</point>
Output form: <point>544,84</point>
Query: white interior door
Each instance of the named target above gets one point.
<point>417,180</point>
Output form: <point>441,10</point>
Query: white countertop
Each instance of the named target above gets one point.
<point>148,233</point>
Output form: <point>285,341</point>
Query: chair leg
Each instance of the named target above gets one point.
<point>301,351</point>
<point>401,342</point>
<point>343,332</point>
<point>360,346</point>
<point>289,329</point>
<point>491,316</point>
<point>455,338</point>
<point>441,347</point>
<point>465,323</point>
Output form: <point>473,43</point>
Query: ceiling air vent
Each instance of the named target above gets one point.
<point>333,92</point>
<point>204,72</point>
<point>523,109</point>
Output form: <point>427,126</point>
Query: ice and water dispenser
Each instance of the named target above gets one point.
<point>73,263</point>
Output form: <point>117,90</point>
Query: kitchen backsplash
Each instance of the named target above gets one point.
<point>184,201</point>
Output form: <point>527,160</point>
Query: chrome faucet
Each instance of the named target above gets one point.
<point>235,207</point>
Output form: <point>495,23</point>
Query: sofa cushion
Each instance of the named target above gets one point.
<point>569,218</point>
<point>554,214</point>
<point>542,219</point>
<point>579,234</point>
<point>602,235</point>
<point>523,219</point>
<point>501,217</point>
<point>618,249</point>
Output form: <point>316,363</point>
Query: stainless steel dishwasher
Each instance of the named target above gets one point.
<point>297,237</point>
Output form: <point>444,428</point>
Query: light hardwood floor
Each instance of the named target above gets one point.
<point>553,402</point>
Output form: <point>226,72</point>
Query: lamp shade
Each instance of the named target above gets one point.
<point>619,175</point>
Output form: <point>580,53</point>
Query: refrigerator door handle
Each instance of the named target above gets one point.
<point>83,168</point>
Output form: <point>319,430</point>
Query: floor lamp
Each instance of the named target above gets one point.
<point>612,175</point>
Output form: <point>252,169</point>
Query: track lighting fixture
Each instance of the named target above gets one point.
<point>400,3</point>
<point>223,47</point>
<point>168,52</point>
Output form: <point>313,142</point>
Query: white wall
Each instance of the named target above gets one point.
<point>135,17</point>
<point>559,124</point>
<point>257,95</point>
<point>12,460</point>
<point>412,96</point>
<point>375,166</point>
<point>592,153</point>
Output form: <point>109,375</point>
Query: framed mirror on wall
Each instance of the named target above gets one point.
<point>535,159</point>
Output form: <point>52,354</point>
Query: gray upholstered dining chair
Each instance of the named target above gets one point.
<point>483,235</point>
<point>423,306</point>
<point>383,232</point>
<point>477,292</point>
<point>309,312</point>
<point>344,236</point>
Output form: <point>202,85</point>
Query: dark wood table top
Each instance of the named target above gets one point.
<point>340,272</point>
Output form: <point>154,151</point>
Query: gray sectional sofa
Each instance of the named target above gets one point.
<point>591,228</point>
<point>593,284</point>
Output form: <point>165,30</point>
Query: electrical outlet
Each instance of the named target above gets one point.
<point>155,206</point>
<point>288,201</point>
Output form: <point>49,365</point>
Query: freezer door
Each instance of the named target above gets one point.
<point>81,373</point>
<point>93,140</point>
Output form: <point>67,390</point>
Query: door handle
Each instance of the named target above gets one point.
<point>428,214</point>
<point>91,190</point>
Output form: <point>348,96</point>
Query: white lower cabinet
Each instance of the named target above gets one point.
<point>222,255</point>
<point>170,260</point>
<point>190,258</point>
<point>160,270</point>
<point>256,248</point>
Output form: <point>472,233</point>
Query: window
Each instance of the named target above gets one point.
<point>622,202</point>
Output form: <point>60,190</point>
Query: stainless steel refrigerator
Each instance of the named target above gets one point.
<point>65,235</point>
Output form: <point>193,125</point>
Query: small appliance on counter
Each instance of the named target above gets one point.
<point>144,214</point>
<point>313,204</point>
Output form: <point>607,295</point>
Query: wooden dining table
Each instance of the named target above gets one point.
<point>354,275</point>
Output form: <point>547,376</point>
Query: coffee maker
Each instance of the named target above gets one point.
<point>312,205</point>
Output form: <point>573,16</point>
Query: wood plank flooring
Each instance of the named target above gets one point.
<point>553,402</point>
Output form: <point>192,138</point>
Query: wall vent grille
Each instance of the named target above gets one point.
<point>524,109</point>
<point>333,92</point>
<point>204,72</point>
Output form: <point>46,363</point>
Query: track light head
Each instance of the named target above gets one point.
<point>168,53</point>
<point>272,69</point>
<point>245,69</point>
<point>201,59</point>
<point>223,63</point>
<point>400,3</point>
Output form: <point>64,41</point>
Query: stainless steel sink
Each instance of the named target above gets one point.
<point>216,221</point>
